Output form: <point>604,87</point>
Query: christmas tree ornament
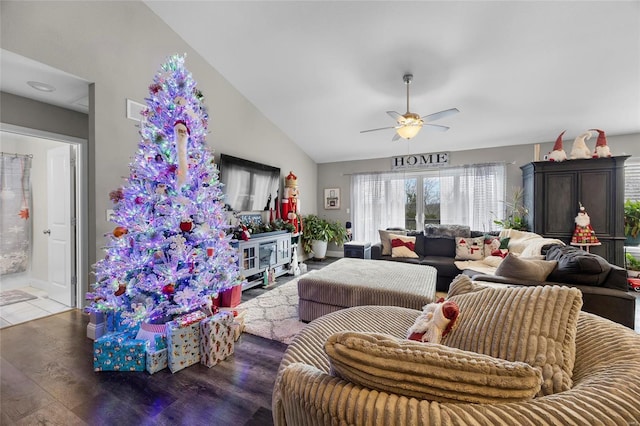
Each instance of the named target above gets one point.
<point>186,225</point>
<point>602,149</point>
<point>119,231</point>
<point>558,154</point>
<point>120,291</point>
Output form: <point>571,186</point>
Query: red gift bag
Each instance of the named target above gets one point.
<point>231,297</point>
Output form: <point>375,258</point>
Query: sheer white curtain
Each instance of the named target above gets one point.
<point>473,195</point>
<point>377,202</point>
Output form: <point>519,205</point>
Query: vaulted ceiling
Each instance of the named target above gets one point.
<point>520,72</point>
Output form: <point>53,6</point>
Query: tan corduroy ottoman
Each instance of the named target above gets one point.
<point>357,282</point>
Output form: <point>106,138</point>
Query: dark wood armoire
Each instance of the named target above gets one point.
<point>553,192</point>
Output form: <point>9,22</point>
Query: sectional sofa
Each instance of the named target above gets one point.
<point>603,285</point>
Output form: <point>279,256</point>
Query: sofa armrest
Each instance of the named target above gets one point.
<point>504,280</point>
<point>617,278</point>
<point>376,251</point>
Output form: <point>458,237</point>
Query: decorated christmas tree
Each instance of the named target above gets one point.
<point>169,253</point>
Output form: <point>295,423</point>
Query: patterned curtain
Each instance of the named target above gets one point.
<point>15,205</point>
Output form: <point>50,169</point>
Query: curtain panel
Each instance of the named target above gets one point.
<point>473,195</point>
<point>377,202</point>
<point>15,205</point>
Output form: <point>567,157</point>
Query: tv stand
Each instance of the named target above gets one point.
<point>270,251</point>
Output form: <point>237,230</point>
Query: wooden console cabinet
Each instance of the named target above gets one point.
<point>553,191</point>
<point>261,253</point>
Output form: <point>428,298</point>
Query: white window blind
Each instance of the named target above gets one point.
<point>632,179</point>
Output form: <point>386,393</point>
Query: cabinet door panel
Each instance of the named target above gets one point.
<point>596,199</point>
<point>559,203</point>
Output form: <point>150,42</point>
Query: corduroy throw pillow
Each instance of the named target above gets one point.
<point>428,370</point>
<point>536,325</point>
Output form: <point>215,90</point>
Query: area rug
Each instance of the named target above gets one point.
<point>274,315</point>
<point>9,297</point>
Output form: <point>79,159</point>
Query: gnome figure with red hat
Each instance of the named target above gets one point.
<point>602,149</point>
<point>435,321</point>
<point>558,153</point>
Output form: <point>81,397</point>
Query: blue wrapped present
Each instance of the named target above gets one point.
<point>118,352</point>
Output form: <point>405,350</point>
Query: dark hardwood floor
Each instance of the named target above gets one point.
<point>47,378</point>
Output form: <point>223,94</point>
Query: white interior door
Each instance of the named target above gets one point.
<point>61,224</point>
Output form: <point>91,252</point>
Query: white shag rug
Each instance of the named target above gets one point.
<point>274,315</point>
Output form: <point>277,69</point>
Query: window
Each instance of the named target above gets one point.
<point>632,179</point>
<point>467,195</point>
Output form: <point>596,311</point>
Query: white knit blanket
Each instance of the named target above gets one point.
<point>524,244</point>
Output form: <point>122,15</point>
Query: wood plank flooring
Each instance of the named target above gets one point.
<point>47,378</point>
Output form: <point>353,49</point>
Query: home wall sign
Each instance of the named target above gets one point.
<point>418,161</point>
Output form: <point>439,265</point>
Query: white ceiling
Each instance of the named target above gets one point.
<point>520,72</point>
<point>322,71</point>
<point>71,92</point>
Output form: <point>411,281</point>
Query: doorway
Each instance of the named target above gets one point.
<point>53,291</point>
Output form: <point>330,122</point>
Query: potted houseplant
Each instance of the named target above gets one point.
<point>632,222</point>
<point>516,213</point>
<point>318,232</point>
<point>632,265</point>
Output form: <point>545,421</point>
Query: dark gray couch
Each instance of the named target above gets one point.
<point>603,285</point>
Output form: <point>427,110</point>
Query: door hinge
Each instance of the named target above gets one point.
<point>74,221</point>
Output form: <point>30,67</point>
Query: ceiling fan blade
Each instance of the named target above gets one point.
<point>375,130</point>
<point>442,114</point>
<point>435,127</point>
<point>395,137</point>
<point>395,115</point>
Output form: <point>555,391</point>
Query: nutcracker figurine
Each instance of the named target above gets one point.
<point>290,201</point>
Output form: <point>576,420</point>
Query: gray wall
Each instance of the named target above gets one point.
<point>337,175</point>
<point>118,47</point>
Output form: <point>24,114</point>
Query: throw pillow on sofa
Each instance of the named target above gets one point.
<point>577,266</point>
<point>402,246</point>
<point>428,370</point>
<point>496,246</point>
<point>385,239</point>
<point>469,248</point>
<point>520,268</point>
<point>536,325</point>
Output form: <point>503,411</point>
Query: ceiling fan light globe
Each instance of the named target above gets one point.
<point>408,131</point>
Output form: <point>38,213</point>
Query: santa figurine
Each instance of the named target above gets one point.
<point>580,149</point>
<point>435,321</point>
<point>558,153</point>
<point>602,149</point>
<point>584,233</point>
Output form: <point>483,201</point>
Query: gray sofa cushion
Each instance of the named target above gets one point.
<point>433,246</point>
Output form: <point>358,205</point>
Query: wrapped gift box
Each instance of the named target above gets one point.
<point>157,360</point>
<point>237,327</point>
<point>216,338</point>
<point>118,352</point>
<point>183,345</point>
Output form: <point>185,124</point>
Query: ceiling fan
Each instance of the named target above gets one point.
<point>409,123</point>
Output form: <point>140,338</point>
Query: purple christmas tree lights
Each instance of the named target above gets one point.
<point>170,252</point>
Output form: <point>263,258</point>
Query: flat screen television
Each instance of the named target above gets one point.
<point>248,186</point>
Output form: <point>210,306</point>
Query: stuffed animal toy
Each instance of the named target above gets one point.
<point>602,149</point>
<point>245,234</point>
<point>580,149</point>
<point>558,153</point>
<point>435,321</point>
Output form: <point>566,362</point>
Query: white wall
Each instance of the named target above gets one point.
<point>337,175</point>
<point>119,47</point>
<point>37,147</point>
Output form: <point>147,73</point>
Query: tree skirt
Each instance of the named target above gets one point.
<point>9,297</point>
<point>274,315</point>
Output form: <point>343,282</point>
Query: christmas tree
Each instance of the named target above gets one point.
<point>170,253</point>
